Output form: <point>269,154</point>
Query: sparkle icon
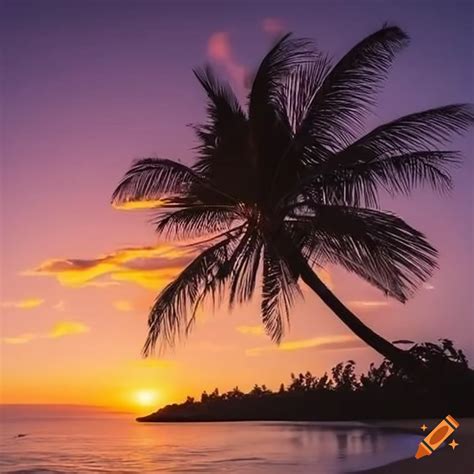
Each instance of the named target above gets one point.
<point>453,444</point>
<point>423,427</point>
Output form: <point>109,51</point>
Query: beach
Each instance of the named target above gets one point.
<point>443,461</point>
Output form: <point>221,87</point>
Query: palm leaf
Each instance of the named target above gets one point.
<point>299,88</point>
<point>400,174</point>
<point>347,93</point>
<point>396,157</point>
<point>223,157</point>
<point>279,289</point>
<point>270,132</point>
<point>244,267</point>
<point>223,104</point>
<point>195,221</point>
<point>287,54</point>
<point>226,120</point>
<point>170,314</point>
<point>361,183</point>
<point>154,178</point>
<point>378,246</point>
<point>422,131</point>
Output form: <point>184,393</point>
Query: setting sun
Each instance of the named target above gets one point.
<point>146,398</point>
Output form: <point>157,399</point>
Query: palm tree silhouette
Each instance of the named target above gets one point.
<point>287,186</point>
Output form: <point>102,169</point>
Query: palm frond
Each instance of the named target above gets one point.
<point>401,174</point>
<point>361,183</point>
<point>223,104</point>
<point>223,156</point>
<point>285,55</point>
<point>396,156</point>
<point>347,93</point>
<point>154,178</point>
<point>421,131</point>
<point>245,263</point>
<point>279,289</point>
<point>299,88</point>
<point>297,92</point>
<point>170,314</point>
<point>270,131</point>
<point>226,119</point>
<point>378,246</point>
<point>195,221</point>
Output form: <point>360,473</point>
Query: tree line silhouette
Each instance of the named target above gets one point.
<point>385,391</point>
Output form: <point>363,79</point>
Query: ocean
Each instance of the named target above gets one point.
<point>47,441</point>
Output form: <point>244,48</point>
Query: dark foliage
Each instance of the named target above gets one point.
<point>383,392</point>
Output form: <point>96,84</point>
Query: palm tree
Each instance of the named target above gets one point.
<point>287,187</point>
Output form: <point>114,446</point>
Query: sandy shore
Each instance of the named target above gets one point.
<point>443,461</point>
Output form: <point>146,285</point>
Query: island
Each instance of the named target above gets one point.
<point>384,392</point>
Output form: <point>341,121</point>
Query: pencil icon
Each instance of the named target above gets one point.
<point>436,437</point>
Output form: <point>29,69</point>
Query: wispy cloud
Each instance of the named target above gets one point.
<point>252,330</point>
<point>58,330</point>
<point>123,305</point>
<point>28,303</point>
<point>361,304</point>
<point>149,267</point>
<point>20,339</point>
<point>322,343</point>
<point>273,27</point>
<point>219,49</point>
<point>67,328</point>
<point>60,306</point>
<point>428,286</point>
<point>137,205</point>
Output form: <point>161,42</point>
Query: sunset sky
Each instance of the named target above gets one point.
<point>89,86</point>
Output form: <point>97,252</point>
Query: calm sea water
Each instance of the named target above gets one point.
<point>104,443</point>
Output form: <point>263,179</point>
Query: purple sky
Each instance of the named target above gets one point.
<point>88,86</point>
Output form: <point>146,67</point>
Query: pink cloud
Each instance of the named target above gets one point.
<point>219,49</point>
<point>273,26</point>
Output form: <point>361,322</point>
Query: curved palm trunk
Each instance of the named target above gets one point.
<point>371,338</point>
<point>300,265</point>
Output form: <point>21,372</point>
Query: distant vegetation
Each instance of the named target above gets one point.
<point>383,392</point>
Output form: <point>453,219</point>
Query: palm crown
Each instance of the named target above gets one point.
<point>291,185</point>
